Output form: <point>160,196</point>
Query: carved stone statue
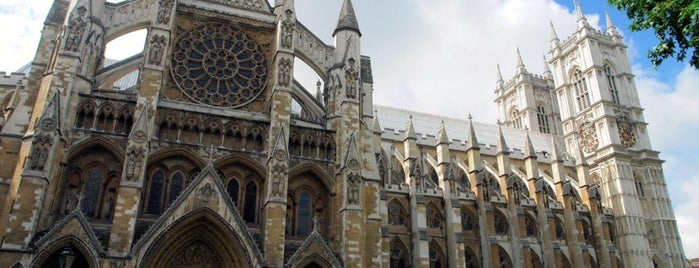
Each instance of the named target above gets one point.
<point>351,76</point>
<point>76,29</point>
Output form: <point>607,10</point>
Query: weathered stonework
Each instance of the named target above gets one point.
<point>216,156</point>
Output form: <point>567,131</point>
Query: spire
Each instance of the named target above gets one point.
<point>442,137</point>
<point>547,71</point>
<point>611,29</point>
<point>529,150</point>
<point>499,75</point>
<point>472,140</point>
<point>520,63</point>
<point>348,20</point>
<point>410,130</point>
<point>554,35</point>
<point>502,145</point>
<point>582,21</point>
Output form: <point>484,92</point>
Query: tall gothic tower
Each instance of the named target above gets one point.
<point>602,118</point>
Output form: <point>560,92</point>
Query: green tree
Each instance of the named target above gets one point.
<point>675,22</point>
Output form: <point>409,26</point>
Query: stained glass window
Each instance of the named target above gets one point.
<point>395,214</point>
<point>92,190</point>
<point>219,65</point>
<point>176,185</point>
<point>304,214</point>
<point>500,224</point>
<point>250,202</point>
<point>233,190</point>
<point>155,193</point>
<point>468,221</point>
<point>582,95</point>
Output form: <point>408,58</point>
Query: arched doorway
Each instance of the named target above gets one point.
<point>200,239</point>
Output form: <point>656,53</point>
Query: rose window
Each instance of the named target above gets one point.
<point>219,65</point>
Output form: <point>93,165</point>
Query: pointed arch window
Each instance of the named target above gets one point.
<point>530,225</point>
<point>399,254</point>
<point>516,118</point>
<point>582,95</point>
<point>155,192</point>
<point>396,214</point>
<point>434,217</point>
<point>639,186</point>
<point>303,221</point>
<point>232,189</point>
<point>436,255</point>
<point>543,119</point>
<point>95,178</point>
<point>176,186</point>
<point>611,82</point>
<point>250,203</point>
<point>468,220</point>
<point>500,223</point>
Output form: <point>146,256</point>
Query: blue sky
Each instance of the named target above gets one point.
<point>440,57</point>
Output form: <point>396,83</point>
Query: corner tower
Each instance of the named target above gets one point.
<point>602,118</point>
<point>528,100</point>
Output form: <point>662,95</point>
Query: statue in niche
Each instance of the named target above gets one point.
<point>351,76</point>
<point>287,31</point>
<point>134,164</point>
<point>164,11</point>
<point>353,190</point>
<point>76,29</point>
<point>284,77</point>
<point>277,185</point>
<point>156,50</point>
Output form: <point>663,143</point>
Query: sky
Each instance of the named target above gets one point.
<point>440,57</point>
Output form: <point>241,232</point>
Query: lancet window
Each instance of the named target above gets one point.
<point>543,119</point>
<point>582,95</point>
<point>611,82</point>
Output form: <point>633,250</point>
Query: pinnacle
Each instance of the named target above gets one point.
<point>410,130</point>
<point>472,139</point>
<point>348,19</point>
<point>442,137</point>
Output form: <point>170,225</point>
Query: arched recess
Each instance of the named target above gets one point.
<point>503,259</point>
<point>309,192</point>
<point>470,258</point>
<point>399,254</point>
<point>437,256</point>
<point>49,255</point>
<point>200,239</point>
<point>93,172</point>
<point>168,172</point>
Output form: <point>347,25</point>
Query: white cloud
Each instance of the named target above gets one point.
<point>22,21</point>
<point>672,110</point>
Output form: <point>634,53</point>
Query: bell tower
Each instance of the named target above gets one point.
<point>602,116</point>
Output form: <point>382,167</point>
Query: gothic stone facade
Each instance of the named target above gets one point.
<point>216,157</point>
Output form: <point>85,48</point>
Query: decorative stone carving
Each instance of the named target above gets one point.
<point>284,68</point>
<point>76,29</point>
<point>351,77</point>
<point>117,264</point>
<point>196,254</point>
<point>228,64</point>
<point>40,151</point>
<point>157,46</point>
<point>278,182</point>
<point>588,136</point>
<point>280,155</point>
<point>139,136</point>
<point>353,164</point>
<point>353,185</point>
<point>134,162</point>
<point>287,36</point>
<point>48,124</point>
<point>164,11</point>
<point>206,192</point>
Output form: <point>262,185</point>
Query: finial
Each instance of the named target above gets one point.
<point>554,35</point>
<point>578,10</point>
<point>499,74</point>
<point>498,122</point>
<point>519,58</point>
<point>472,140</point>
<point>470,117</point>
<point>611,29</point>
<point>316,224</point>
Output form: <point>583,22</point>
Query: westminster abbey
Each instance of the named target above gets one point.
<point>204,151</point>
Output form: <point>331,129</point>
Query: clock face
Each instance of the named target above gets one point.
<point>626,135</point>
<point>589,138</point>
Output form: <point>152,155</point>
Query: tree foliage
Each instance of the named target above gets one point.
<point>675,22</point>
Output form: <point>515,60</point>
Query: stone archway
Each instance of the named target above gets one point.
<point>201,239</point>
